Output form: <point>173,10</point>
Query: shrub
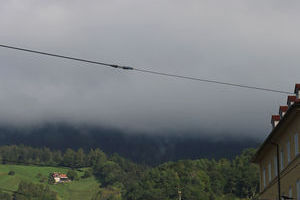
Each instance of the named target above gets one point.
<point>87,173</point>
<point>72,174</point>
<point>43,179</point>
<point>11,173</point>
<point>5,196</point>
<point>51,179</point>
<point>39,175</point>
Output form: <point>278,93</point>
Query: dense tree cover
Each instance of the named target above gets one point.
<point>150,149</point>
<point>200,179</point>
<point>30,191</point>
<point>121,179</point>
<point>109,193</point>
<point>44,156</point>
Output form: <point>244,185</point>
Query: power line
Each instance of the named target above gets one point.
<point>146,71</point>
<point>64,57</point>
<point>214,81</point>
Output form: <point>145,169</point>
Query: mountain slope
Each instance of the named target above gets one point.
<point>141,148</point>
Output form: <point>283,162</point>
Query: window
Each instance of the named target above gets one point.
<point>281,160</point>
<point>270,172</point>
<point>275,166</point>
<point>298,189</point>
<point>296,144</point>
<point>264,177</point>
<point>290,192</point>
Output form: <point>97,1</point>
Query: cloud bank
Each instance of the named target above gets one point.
<point>248,42</point>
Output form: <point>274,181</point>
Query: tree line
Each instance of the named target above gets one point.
<point>140,148</point>
<point>30,191</point>
<point>122,179</point>
<point>44,156</point>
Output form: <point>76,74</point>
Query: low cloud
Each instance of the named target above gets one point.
<point>253,43</point>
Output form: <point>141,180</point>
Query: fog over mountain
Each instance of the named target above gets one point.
<point>248,42</point>
<point>141,148</point>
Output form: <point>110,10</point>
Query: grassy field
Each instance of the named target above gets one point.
<point>77,190</point>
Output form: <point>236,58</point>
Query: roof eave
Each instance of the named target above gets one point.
<point>291,108</point>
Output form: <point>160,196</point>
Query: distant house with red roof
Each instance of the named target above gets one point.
<point>60,178</point>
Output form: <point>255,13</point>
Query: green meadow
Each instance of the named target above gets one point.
<point>81,189</point>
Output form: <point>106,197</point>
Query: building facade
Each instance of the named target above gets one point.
<point>280,153</point>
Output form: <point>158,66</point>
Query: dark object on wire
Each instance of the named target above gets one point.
<point>145,70</point>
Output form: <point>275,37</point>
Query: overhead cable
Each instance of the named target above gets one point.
<point>146,70</point>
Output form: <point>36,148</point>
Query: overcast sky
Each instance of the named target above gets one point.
<point>249,42</point>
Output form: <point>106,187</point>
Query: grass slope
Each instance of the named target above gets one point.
<point>76,190</point>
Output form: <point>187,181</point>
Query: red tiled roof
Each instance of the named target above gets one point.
<point>63,176</point>
<point>297,86</point>
<point>283,108</point>
<point>289,114</point>
<point>275,118</point>
<point>55,174</point>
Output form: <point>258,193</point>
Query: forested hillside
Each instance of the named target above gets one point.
<point>140,148</point>
<point>119,178</point>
